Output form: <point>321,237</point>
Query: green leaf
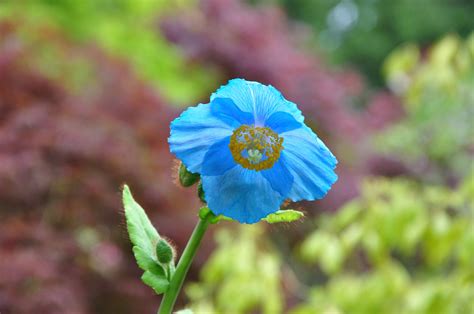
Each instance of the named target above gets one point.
<point>287,215</point>
<point>147,263</point>
<point>144,238</point>
<point>141,231</point>
<point>158,283</point>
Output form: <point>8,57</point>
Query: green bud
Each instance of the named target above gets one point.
<point>164,252</point>
<point>187,178</point>
<point>201,193</point>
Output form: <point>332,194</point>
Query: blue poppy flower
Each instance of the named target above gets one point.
<point>252,149</point>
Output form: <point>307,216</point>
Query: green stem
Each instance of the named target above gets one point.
<point>184,263</point>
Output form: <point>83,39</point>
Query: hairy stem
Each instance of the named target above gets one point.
<point>184,263</point>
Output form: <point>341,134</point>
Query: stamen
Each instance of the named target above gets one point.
<point>255,148</point>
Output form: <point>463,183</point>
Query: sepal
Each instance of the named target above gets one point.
<point>201,194</point>
<point>187,178</point>
<point>282,215</point>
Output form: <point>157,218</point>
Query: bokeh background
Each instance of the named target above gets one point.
<point>87,91</point>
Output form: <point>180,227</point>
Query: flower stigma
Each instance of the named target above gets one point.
<point>255,148</point>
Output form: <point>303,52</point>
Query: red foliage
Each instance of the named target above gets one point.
<point>63,158</point>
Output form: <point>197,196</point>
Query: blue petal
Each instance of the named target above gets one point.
<point>260,100</point>
<point>311,164</point>
<point>218,159</point>
<point>241,194</point>
<point>279,177</point>
<point>281,122</point>
<point>193,133</point>
<point>226,110</point>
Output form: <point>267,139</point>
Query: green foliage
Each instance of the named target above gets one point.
<point>157,282</point>
<point>363,32</point>
<point>439,100</point>
<point>145,238</point>
<point>400,247</point>
<point>127,28</point>
<point>241,276</point>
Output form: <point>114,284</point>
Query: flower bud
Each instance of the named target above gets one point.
<point>164,252</point>
<point>187,178</point>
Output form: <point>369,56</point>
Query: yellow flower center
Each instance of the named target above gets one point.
<point>255,148</point>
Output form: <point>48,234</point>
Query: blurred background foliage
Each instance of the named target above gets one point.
<point>401,247</point>
<point>87,91</point>
<point>362,33</point>
<point>439,100</point>
<point>242,275</point>
<point>123,28</point>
